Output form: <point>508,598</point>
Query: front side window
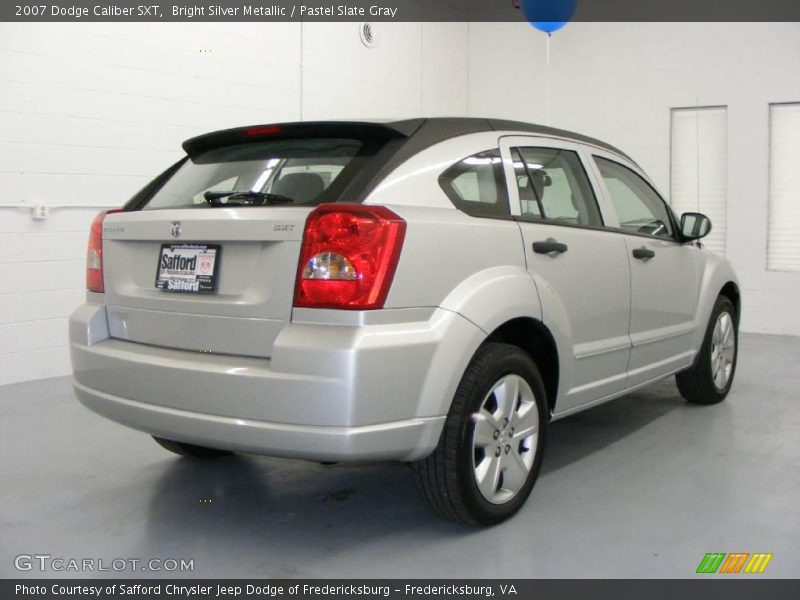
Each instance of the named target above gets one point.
<point>553,185</point>
<point>639,208</point>
<point>476,185</point>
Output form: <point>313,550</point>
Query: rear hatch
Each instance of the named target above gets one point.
<point>205,259</point>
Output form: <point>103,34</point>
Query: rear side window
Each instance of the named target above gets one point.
<point>302,171</point>
<point>477,186</point>
<point>554,186</point>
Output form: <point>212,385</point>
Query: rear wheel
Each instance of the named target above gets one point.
<point>710,379</point>
<point>190,450</point>
<point>490,450</point>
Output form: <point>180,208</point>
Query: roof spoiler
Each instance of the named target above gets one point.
<point>301,130</point>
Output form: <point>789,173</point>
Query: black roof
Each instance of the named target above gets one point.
<point>437,129</point>
<point>421,133</point>
<point>398,140</point>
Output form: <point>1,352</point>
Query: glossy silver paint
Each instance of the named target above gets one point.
<point>243,370</point>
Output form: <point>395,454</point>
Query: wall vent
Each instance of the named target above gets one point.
<point>369,34</point>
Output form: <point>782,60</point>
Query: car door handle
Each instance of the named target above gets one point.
<point>549,246</point>
<point>643,253</point>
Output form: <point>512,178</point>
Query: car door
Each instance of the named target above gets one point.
<point>580,267</point>
<point>663,282</point>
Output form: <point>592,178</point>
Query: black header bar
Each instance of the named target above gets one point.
<point>392,10</point>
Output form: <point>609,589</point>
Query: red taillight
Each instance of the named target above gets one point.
<point>94,254</point>
<point>349,256</point>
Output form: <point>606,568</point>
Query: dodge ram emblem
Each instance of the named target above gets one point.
<point>175,229</point>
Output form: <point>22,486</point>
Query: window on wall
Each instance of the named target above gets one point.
<point>783,246</point>
<point>699,174</point>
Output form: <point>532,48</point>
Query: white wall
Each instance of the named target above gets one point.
<point>618,82</point>
<point>90,112</point>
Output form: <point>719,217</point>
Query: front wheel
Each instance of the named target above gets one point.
<point>710,379</point>
<point>490,450</point>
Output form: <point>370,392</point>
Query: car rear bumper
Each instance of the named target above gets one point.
<point>398,440</point>
<point>329,392</point>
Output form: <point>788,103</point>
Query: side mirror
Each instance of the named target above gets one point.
<point>695,226</point>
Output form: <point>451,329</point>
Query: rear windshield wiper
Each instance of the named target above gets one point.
<point>234,198</point>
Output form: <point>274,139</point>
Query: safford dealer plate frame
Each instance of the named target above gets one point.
<point>188,268</point>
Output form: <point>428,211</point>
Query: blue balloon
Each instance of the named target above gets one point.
<point>548,26</point>
<point>548,15</point>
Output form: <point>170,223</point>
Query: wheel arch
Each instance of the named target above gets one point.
<point>502,305</point>
<point>731,291</point>
<point>535,339</point>
<point>715,278</point>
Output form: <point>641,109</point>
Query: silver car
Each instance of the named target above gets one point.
<point>432,291</point>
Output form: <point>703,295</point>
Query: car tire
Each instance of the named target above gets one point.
<point>490,450</point>
<point>709,380</point>
<point>190,450</point>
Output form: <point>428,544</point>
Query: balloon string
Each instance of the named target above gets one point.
<point>547,84</point>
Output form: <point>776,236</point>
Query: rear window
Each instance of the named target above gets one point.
<point>301,171</point>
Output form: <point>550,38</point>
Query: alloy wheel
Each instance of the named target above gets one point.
<point>504,440</point>
<point>723,350</point>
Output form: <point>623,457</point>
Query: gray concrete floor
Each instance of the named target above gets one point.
<point>640,487</point>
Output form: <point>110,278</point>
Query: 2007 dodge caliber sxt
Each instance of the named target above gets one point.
<point>431,291</point>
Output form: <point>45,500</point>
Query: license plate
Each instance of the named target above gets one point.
<point>190,268</point>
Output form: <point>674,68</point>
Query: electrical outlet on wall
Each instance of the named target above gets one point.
<point>40,212</point>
